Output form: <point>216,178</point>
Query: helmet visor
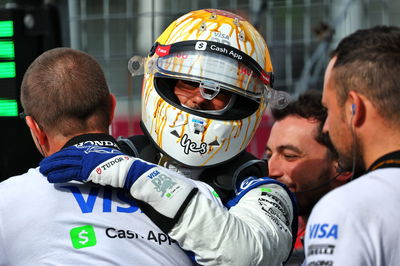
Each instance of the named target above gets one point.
<point>213,71</point>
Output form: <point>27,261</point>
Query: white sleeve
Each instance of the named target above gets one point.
<point>334,234</point>
<point>256,231</point>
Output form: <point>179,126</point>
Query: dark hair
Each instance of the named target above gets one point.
<point>309,106</point>
<point>368,61</point>
<point>65,91</point>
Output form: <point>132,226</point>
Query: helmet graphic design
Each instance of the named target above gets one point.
<point>219,53</point>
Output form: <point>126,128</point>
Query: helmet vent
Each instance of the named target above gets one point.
<point>241,36</point>
<point>213,16</point>
<point>203,26</point>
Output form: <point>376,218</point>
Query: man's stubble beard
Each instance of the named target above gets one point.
<point>310,197</point>
<point>351,156</point>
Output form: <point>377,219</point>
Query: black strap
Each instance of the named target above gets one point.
<point>139,146</point>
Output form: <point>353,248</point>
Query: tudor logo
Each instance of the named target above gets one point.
<point>200,46</point>
<point>98,170</point>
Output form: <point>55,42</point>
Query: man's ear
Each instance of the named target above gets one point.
<point>356,108</point>
<point>113,106</point>
<point>36,130</point>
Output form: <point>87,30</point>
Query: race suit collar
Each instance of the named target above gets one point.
<point>99,139</point>
<point>389,160</point>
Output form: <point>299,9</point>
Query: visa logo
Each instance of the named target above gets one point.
<point>323,231</point>
<point>87,201</point>
<point>153,174</point>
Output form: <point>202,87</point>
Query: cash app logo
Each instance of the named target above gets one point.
<point>83,237</point>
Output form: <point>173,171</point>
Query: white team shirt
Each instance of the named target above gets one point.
<point>358,223</point>
<point>77,224</point>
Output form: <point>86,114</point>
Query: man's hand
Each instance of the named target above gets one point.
<point>101,165</point>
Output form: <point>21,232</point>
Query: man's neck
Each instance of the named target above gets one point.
<point>57,142</point>
<point>379,144</point>
<point>376,136</point>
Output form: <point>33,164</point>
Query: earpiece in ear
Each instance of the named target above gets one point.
<point>353,109</point>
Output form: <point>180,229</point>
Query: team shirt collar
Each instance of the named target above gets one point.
<point>389,160</point>
<point>99,139</point>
